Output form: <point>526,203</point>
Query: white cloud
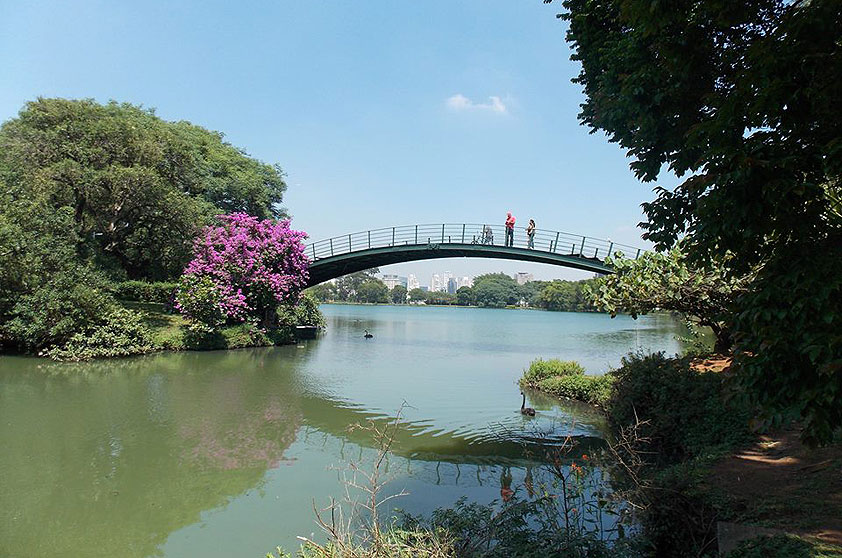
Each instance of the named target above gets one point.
<point>459,102</point>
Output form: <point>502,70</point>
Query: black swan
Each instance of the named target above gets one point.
<point>367,335</point>
<point>524,410</point>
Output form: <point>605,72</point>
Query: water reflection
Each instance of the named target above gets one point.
<point>170,454</point>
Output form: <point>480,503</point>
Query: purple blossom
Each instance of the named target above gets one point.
<point>252,266</point>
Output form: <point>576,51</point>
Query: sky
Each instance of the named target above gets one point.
<point>380,113</point>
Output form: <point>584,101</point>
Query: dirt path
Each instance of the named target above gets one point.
<point>780,483</point>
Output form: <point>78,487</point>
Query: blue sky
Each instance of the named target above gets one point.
<point>380,113</point>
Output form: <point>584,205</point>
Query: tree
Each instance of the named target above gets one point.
<point>417,295</point>
<point>372,290</point>
<point>399,294</point>
<point>495,290</point>
<point>139,188</point>
<point>742,98</point>
<point>323,292</point>
<point>440,298</point>
<point>465,296</point>
<point>243,270</point>
<point>666,281</point>
<point>346,287</point>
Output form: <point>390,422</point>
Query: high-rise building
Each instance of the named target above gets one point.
<point>452,285</point>
<point>391,280</point>
<point>522,277</point>
<point>465,282</point>
<point>412,282</point>
<point>435,283</point>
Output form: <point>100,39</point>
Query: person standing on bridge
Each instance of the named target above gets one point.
<point>530,234</point>
<point>510,229</point>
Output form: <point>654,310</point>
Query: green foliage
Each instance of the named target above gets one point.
<point>138,187</point>
<point>200,298</point>
<point>566,378</point>
<point>440,298</point>
<point>667,281</point>
<point>789,343</point>
<point>418,295</point>
<point>46,294</point>
<point>304,312</point>
<point>144,291</point>
<point>398,294</point>
<point>69,302</point>
<point>685,413</point>
<point>121,333</point>
<point>565,296</point>
<point>346,287</point>
<point>323,292</point>
<point>783,546</point>
<point>372,290</point>
<point>594,390</point>
<point>540,369</point>
<point>743,99</point>
<point>495,290</point>
<point>465,296</point>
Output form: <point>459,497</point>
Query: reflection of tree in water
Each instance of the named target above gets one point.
<point>132,450</point>
<point>258,440</point>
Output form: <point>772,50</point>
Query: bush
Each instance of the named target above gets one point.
<point>69,303</point>
<point>122,333</point>
<point>685,410</point>
<point>595,390</point>
<point>201,299</point>
<point>304,312</point>
<point>783,546</point>
<point>540,369</point>
<point>143,291</point>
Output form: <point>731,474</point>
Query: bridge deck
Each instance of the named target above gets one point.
<point>345,254</point>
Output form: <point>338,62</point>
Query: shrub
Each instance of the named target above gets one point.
<point>540,369</point>
<point>595,390</point>
<point>121,333</point>
<point>253,265</point>
<point>304,312</point>
<point>143,291</point>
<point>66,304</point>
<point>208,307</point>
<point>685,410</point>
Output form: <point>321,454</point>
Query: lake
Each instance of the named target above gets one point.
<point>223,453</point>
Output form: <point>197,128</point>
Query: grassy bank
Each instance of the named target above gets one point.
<point>566,378</point>
<point>143,327</point>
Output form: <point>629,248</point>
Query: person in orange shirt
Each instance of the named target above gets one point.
<point>510,229</point>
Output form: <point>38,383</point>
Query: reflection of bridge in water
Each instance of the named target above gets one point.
<point>418,442</point>
<point>353,252</point>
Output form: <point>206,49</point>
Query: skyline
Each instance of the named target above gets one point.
<point>476,114</point>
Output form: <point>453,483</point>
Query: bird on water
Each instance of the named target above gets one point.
<point>524,410</point>
<point>367,335</point>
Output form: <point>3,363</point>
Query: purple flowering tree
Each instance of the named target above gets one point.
<point>243,270</point>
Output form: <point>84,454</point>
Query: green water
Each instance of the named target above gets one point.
<point>223,453</point>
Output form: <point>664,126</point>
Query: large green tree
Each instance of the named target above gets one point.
<point>741,99</point>
<point>495,290</point>
<point>666,281</point>
<point>138,187</point>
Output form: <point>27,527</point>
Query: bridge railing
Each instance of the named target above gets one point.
<point>557,242</point>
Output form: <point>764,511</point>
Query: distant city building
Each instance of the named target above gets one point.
<point>452,285</point>
<point>391,280</point>
<point>465,282</point>
<point>436,284</point>
<point>523,277</point>
<point>412,282</point>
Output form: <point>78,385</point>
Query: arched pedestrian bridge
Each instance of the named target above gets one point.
<point>340,255</point>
